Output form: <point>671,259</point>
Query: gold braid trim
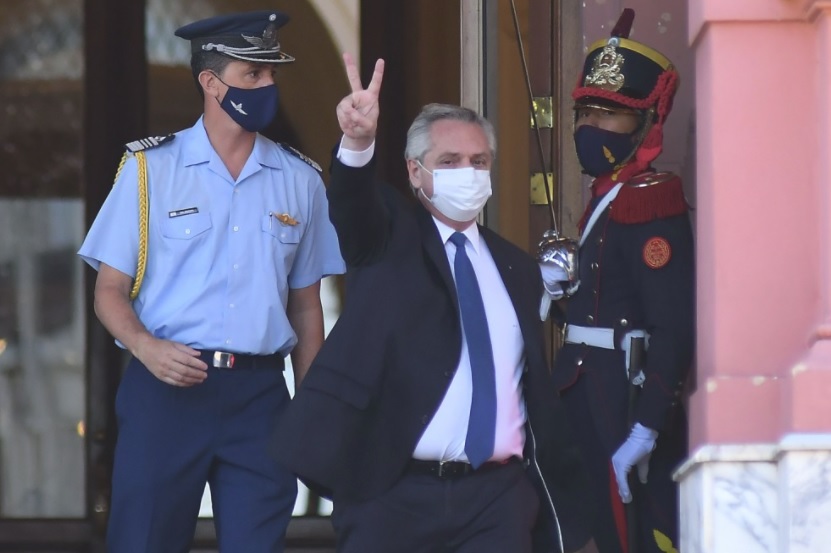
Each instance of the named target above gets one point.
<point>144,216</point>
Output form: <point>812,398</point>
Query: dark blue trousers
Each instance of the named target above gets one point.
<point>491,511</point>
<point>655,503</point>
<point>173,440</point>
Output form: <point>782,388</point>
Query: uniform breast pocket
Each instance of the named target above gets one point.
<point>186,227</point>
<point>285,233</point>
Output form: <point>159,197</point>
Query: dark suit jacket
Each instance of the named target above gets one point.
<point>385,367</point>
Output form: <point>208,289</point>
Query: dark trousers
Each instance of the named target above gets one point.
<point>173,440</point>
<point>655,503</point>
<point>492,511</point>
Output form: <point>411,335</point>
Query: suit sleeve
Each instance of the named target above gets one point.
<point>358,212</point>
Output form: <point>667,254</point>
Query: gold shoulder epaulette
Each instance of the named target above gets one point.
<point>298,154</point>
<point>148,143</point>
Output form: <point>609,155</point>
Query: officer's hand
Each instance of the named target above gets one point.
<point>172,363</point>
<point>636,450</point>
<point>358,112</point>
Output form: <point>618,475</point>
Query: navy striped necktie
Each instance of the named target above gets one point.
<point>481,427</point>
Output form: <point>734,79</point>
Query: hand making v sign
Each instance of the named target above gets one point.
<point>358,111</point>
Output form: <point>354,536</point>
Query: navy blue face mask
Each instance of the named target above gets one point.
<point>601,151</point>
<point>252,108</point>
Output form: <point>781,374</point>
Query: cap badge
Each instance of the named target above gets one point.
<point>268,40</point>
<point>606,70</point>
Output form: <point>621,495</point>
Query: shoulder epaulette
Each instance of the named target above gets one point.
<point>298,154</point>
<point>148,143</point>
<point>649,196</point>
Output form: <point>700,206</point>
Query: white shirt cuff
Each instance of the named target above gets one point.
<point>351,158</point>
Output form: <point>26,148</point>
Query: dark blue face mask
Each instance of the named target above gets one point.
<point>601,151</point>
<point>252,108</point>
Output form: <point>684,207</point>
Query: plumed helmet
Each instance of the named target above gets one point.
<point>620,72</point>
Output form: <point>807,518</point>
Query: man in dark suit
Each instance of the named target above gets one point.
<point>428,414</point>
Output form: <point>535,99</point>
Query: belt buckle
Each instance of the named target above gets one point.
<point>440,473</point>
<point>223,360</point>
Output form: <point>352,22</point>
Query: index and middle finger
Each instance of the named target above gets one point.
<point>354,76</point>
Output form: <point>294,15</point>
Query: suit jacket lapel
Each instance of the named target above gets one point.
<point>434,248</point>
<point>516,290</point>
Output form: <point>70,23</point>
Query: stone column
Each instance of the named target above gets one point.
<point>759,476</point>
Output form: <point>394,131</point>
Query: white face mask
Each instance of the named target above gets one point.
<point>459,194</point>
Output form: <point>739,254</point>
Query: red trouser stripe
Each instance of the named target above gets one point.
<point>618,510</point>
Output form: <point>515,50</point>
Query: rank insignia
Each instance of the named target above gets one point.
<point>298,154</point>
<point>147,143</point>
<point>656,252</point>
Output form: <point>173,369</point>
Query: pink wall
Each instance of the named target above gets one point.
<point>762,220</point>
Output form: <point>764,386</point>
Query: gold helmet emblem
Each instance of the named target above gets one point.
<point>606,68</point>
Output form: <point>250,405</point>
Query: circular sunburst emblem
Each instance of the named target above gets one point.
<point>656,252</point>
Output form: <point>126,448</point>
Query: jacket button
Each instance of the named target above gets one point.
<point>590,319</point>
<point>425,419</point>
<point>624,323</point>
<point>578,361</point>
<point>600,241</point>
<point>448,374</point>
<point>594,266</point>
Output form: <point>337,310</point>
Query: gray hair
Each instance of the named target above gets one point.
<point>418,137</point>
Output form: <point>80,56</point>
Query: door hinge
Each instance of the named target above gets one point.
<point>538,196</point>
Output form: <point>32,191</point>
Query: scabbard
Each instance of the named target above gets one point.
<point>637,362</point>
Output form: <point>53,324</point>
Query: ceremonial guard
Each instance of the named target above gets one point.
<point>629,312</point>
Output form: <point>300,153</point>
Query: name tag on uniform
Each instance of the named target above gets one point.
<point>180,212</point>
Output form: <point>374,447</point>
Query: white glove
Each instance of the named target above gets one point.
<point>636,450</point>
<point>552,277</point>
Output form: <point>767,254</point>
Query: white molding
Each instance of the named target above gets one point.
<point>342,19</point>
<point>472,55</point>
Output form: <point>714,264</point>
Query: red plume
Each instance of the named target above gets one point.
<point>624,23</point>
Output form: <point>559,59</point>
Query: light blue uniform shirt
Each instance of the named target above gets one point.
<point>220,262</point>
